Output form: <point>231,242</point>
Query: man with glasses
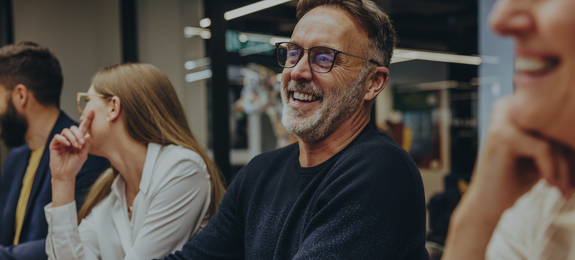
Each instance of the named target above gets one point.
<point>343,191</point>
<point>30,87</point>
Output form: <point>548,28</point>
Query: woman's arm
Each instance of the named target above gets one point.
<point>68,152</point>
<point>66,240</point>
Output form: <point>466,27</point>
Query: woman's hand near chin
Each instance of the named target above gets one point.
<point>68,152</point>
<point>512,160</point>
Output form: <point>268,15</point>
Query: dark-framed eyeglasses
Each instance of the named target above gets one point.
<point>320,58</point>
<point>82,99</point>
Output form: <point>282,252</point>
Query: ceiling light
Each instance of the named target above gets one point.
<point>206,34</point>
<point>206,22</point>
<point>275,39</point>
<point>396,59</point>
<point>256,37</point>
<point>252,8</point>
<point>190,65</point>
<point>190,32</point>
<point>204,74</point>
<point>401,55</point>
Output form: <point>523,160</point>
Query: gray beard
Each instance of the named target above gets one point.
<point>334,108</point>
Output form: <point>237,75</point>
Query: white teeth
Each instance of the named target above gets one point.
<point>303,96</point>
<point>525,64</point>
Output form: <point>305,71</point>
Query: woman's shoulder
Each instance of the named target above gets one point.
<point>523,228</point>
<point>175,154</point>
<point>172,162</point>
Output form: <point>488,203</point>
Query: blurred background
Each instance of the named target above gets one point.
<point>447,70</point>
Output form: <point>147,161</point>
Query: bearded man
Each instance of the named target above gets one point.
<point>343,191</point>
<point>30,86</point>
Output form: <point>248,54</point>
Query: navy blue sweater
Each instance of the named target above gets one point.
<point>366,202</point>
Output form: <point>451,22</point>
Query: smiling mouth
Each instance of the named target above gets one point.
<point>537,66</point>
<point>303,97</point>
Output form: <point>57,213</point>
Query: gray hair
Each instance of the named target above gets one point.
<point>370,17</point>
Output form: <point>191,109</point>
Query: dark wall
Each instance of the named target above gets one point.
<point>6,37</point>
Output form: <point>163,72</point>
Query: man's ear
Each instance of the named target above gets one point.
<point>376,83</point>
<point>20,97</point>
<point>115,107</point>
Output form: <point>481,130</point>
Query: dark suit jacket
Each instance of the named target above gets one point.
<point>35,227</point>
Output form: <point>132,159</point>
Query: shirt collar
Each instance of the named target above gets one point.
<point>151,157</point>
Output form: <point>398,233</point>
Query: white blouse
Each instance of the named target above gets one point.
<point>173,199</point>
<point>529,229</point>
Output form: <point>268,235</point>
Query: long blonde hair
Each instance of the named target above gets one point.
<point>152,113</point>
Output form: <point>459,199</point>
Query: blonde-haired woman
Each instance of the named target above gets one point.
<point>161,187</point>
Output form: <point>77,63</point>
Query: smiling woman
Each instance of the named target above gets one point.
<point>527,165</point>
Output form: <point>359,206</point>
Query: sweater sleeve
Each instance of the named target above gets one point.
<point>220,239</point>
<point>371,208</point>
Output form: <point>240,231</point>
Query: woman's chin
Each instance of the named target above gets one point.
<point>526,113</point>
<point>549,119</point>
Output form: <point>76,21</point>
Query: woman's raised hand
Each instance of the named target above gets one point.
<point>512,160</point>
<point>69,150</point>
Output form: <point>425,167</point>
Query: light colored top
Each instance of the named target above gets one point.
<point>27,182</point>
<point>174,197</point>
<point>529,229</point>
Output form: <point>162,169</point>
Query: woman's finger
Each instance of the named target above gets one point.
<point>70,136</point>
<point>539,150</point>
<point>59,141</point>
<point>86,122</point>
<point>563,178</point>
<point>88,139</point>
<point>79,136</point>
<point>569,153</point>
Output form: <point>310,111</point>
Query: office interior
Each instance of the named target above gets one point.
<point>447,70</point>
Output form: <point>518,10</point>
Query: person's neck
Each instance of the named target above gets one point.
<point>314,153</point>
<point>40,124</point>
<point>128,157</point>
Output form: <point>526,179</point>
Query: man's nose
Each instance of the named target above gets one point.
<point>512,18</point>
<point>302,71</point>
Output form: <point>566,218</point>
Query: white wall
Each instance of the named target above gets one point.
<point>162,43</point>
<point>84,36</point>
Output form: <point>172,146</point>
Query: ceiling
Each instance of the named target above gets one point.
<point>436,25</point>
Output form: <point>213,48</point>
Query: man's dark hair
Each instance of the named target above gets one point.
<point>35,67</point>
<point>370,17</point>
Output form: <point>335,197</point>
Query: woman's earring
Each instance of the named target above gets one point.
<point>108,119</point>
